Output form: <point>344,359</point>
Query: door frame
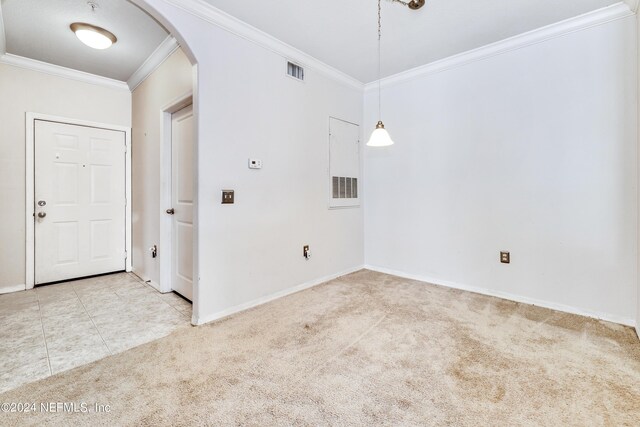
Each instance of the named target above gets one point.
<point>166,224</point>
<point>30,185</point>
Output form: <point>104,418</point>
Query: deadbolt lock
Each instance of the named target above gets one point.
<point>42,203</point>
<point>171,211</point>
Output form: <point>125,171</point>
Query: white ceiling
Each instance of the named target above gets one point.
<point>39,29</point>
<point>343,33</point>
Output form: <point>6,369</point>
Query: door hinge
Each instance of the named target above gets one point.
<point>125,255</point>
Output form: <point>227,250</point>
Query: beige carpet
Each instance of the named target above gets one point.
<point>366,349</point>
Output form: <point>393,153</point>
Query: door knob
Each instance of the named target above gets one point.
<point>171,211</point>
<point>42,214</point>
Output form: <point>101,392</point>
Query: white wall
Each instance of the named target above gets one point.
<point>531,151</point>
<point>169,81</point>
<point>248,107</point>
<point>638,73</point>
<point>23,91</point>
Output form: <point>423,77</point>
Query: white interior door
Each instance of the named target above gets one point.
<point>182,139</point>
<point>80,201</point>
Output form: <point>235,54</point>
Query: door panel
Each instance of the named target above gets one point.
<point>66,237</point>
<point>182,201</point>
<point>80,176</point>
<point>101,239</point>
<point>184,247</point>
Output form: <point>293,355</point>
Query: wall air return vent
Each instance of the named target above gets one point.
<point>344,164</point>
<point>295,71</point>
<point>344,187</point>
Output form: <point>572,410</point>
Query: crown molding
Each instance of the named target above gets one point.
<point>559,29</point>
<point>3,36</point>
<point>157,57</point>
<point>56,70</point>
<point>215,16</point>
<point>633,5</point>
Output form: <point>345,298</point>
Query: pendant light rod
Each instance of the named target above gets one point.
<point>379,60</point>
<point>380,137</point>
<point>413,5</point>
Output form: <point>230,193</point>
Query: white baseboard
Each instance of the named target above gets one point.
<point>12,288</point>
<point>508,296</point>
<point>148,281</point>
<point>263,300</point>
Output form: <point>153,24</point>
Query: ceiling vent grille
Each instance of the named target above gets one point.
<point>295,71</point>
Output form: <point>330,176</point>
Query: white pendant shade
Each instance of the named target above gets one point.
<point>92,36</point>
<point>380,137</point>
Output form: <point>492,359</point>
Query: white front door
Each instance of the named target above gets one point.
<point>182,139</point>
<point>79,201</point>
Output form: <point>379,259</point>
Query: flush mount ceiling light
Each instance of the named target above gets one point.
<point>92,36</point>
<point>380,137</point>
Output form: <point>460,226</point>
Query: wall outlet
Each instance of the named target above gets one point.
<point>305,252</point>
<point>505,257</point>
<point>227,197</point>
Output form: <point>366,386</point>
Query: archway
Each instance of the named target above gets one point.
<point>167,109</point>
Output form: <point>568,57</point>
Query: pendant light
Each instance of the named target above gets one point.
<point>379,137</point>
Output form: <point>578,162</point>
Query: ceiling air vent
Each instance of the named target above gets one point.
<point>295,71</point>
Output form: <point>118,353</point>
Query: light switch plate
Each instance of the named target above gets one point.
<point>255,164</point>
<point>505,257</point>
<point>227,197</point>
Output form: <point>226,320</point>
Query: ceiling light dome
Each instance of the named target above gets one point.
<point>92,36</point>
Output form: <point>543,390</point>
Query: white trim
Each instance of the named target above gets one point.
<point>56,70</point>
<point>217,17</point>
<point>12,288</point>
<point>30,185</point>
<point>336,204</point>
<point>154,285</point>
<point>166,224</point>
<point>506,295</point>
<point>29,201</point>
<point>559,29</point>
<point>633,5</point>
<point>128,222</point>
<point>637,323</point>
<point>149,282</point>
<point>283,293</point>
<point>162,52</point>
<point>3,35</point>
<point>196,307</point>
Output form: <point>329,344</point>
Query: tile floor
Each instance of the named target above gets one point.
<point>53,328</point>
